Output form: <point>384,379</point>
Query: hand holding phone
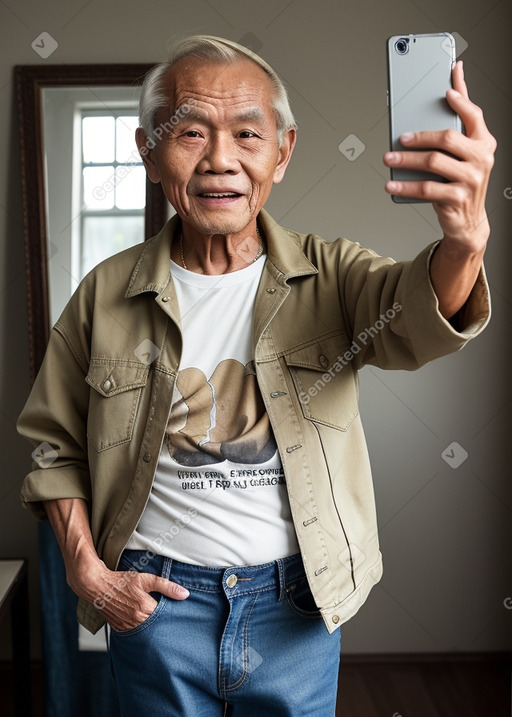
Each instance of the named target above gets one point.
<point>465,162</point>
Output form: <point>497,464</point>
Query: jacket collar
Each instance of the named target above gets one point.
<point>284,249</point>
<point>152,272</point>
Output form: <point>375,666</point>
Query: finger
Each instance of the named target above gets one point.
<point>445,140</point>
<point>123,615</point>
<point>432,162</point>
<point>458,81</point>
<point>471,114</point>
<point>154,583</point>
<point>126,605</point>
<point>429,191</point>
<point>478,150</point>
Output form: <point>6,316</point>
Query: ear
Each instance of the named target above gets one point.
<point>285,154</point>
<point>145,147</point>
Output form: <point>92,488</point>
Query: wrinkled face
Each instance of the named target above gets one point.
<point>219,154</point>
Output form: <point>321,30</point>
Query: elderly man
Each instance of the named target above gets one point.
<point>209,483</point>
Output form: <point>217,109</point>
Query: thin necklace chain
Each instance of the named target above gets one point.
<point>258,253</point>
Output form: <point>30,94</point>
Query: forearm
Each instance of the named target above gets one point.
<point>69,518</point>
<point>453,274</point>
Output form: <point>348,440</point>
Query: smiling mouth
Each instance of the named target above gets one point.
<point>219,195</point>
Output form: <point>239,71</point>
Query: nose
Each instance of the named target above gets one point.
<point>219,156</point>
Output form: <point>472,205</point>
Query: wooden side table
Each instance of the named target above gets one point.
<point>14,599</point>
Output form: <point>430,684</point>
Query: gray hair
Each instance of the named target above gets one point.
<point>210,49</point>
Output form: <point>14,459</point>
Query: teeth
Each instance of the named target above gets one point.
<point>217,195</point>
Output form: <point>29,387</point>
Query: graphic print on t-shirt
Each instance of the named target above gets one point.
<point>219,418</point>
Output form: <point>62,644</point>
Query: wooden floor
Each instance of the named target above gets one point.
<point>384,687</point>
<point>416,687</point>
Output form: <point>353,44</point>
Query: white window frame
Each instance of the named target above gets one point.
<point>63,159</point>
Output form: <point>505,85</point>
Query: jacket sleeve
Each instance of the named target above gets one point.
<point>393,311</point>
<point>54,420</point>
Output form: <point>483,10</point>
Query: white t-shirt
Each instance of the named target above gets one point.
<point>219,495</point>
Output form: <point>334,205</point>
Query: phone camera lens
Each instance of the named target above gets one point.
<point>402,46</point>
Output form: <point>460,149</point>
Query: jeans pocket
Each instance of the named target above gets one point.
<point>300,598</point>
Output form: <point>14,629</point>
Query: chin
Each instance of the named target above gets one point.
<point>221,226</point>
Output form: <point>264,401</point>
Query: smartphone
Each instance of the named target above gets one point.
<point>419,74</point>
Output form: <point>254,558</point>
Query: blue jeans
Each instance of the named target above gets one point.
<point>247,642</point>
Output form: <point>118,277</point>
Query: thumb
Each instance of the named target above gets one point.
<point>154,583</point>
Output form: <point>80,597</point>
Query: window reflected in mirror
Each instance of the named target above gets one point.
<point>96,182</point>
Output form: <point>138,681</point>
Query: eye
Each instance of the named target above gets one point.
<point>247,134</point>
<point>192,133</point>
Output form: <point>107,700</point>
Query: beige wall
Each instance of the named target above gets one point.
<point>445,533</point>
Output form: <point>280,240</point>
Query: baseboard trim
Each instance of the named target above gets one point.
<point>425,657</point>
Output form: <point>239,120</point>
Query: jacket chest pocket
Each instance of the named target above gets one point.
<point>113,402</point>
<point>325,382</point>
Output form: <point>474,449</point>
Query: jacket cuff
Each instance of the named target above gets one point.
<point>474,316</point>
<point>52,484</point>
<point>428,330</point>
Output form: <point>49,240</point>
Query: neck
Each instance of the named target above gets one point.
<point>218,253</point>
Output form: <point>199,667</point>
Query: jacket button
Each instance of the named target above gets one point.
<point>271,291</point>
<point>146,457</point>
<point>323,360</point>
<point>165,299</point>
<point>107,385</point>
<point>335,619</point>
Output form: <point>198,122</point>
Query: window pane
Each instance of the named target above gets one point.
<point>126,148</point>
<point>98,139</point>
<point>130,187</point>
<point>104,236</point>
<point>99,187</point>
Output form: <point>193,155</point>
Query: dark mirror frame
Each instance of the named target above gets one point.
<point>30,81</point>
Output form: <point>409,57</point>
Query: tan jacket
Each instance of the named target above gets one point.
<point>102,397</point>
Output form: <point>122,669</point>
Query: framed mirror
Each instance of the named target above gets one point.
<point>54,103</point>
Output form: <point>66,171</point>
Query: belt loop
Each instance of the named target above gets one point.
<point>282,578</point>
<point>166,567</point>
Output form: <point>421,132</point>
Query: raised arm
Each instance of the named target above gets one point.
<point>466,161</point>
